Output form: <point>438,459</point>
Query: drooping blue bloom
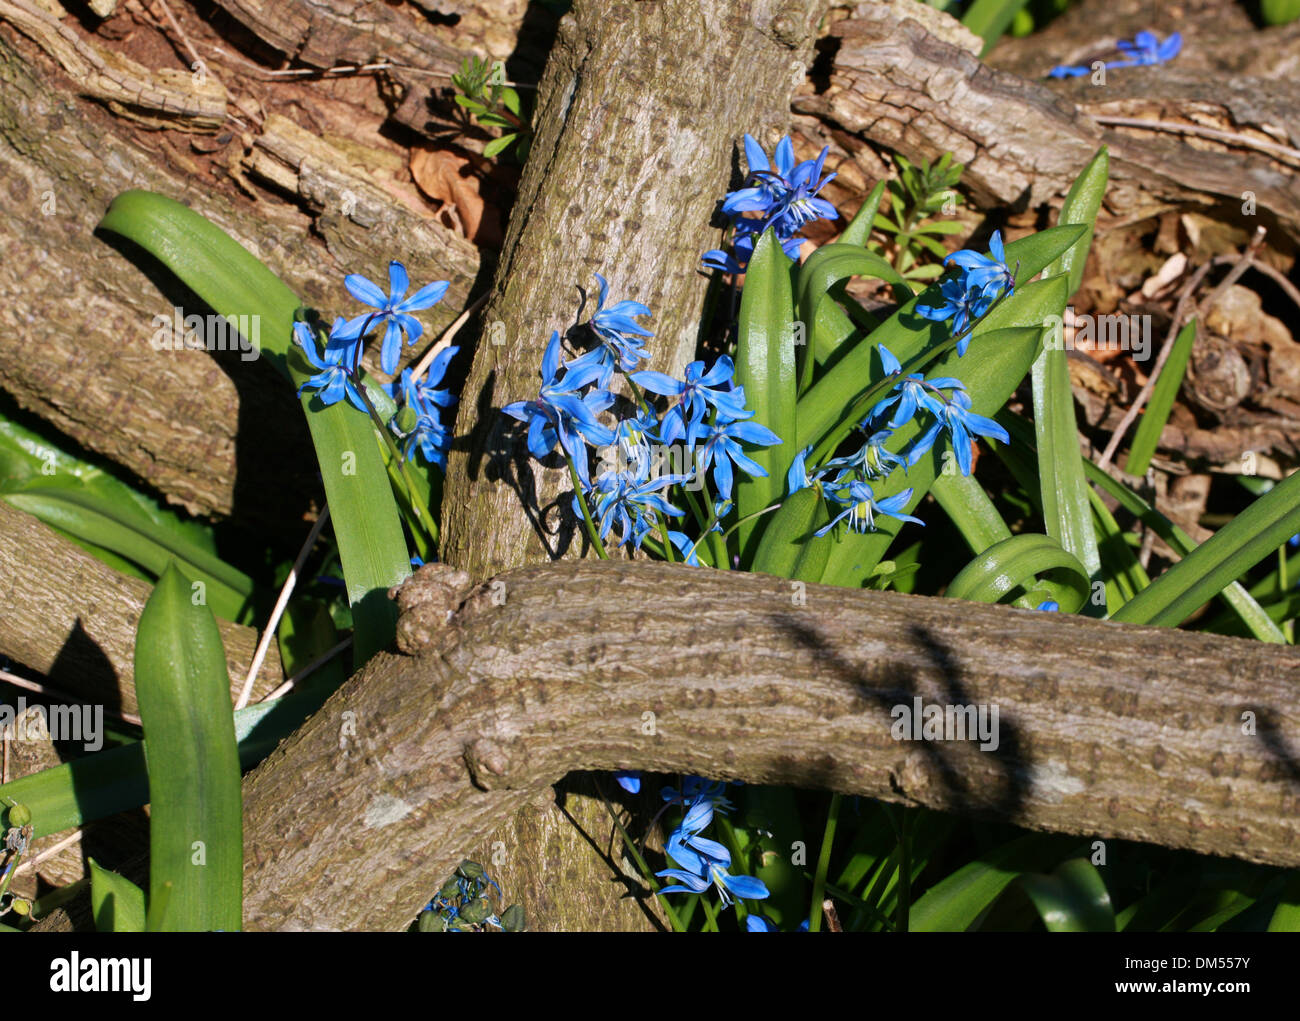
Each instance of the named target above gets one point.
<point>336,379</point>
<point>759,923</point>
<point>687,547</point>
<point>696,789</point>
<point>631,503</point>
<point>962,425</point>
<point>962,304</point>
<point>798,477</point>
<point>620,336</point>
<point>988,274</point>
<point>861,507</point>
<point>422,394</point>
<point>909,393</point>
<point>722,448</point>
<point>742,248</point>
<point>1145,49</point>
<point>1049,606</point>
<point>394,310</point>
<point>712,871</point>
<point>430,438</point>
<point>629,780</point>
<point>872,461</point>
<point>562,414</point>
<point>696,393</point>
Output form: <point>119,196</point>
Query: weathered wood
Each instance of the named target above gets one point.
<point>1105,730</point>
<point>910,80</point>
<point>633,149</point>
<point>72,618</point>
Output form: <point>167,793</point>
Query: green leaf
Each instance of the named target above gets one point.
<point>1161,402</point>
<point>1016,563</point>
<point>1066,510</point>
<point>195,823</point>
<point>955,903</point>
<point>908,334</point>
<point>989,19</point>
<point>788,548</point>
<point>233,282</point>
<point>1215,564</point>
<point>499,145</point>
<point>826,322</point>
<point>116,903</point>
<point>858,232</point>
<point>1074,898</point>
<point>765,367</point>
<point>969,508</point>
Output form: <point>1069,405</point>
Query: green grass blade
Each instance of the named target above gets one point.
<point>234,283</point>
<point>765,367</point>
<point>116,903</point>
<point>1147,436</point>
<point>1211,567</point>
<point>195,821</point>
<point>1074,898</point>
<point>858,232</point>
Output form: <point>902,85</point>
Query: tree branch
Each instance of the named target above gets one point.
<point>1105,730</point>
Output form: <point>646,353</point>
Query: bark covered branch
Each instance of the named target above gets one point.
<point>1105,730</point>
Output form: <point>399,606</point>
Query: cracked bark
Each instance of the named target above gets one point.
<point>1105,730</point>
<point>633,148</point>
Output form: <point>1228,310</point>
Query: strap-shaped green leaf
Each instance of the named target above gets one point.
<point>116,903</point>
<point>789,549</point>
<point>1017,563</point>
<point>765,367</point>
<point>235,283</point>
<point>1074,898</point>
<point>1147,436</point>
<point>195,821</point>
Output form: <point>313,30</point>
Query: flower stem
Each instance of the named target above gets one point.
<point>823,865</point>
<point>592,533</point>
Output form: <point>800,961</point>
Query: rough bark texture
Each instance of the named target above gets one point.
<point>633,148</point>
<point>1105,730</point>
<point>910,80</point>
<point>72,619</point>
<point>190,423</point>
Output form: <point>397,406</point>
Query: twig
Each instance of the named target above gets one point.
<point>49,852</point>
<point>1232,137</point>
<point>54,693</point>
<point>264,643</point>
<point>311,667</point>
<point>1234,274</point>
<point>448,335</point>
<point>185,40</point>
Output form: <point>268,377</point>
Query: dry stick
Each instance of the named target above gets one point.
<point>1276,275</point>
<point>1243,263</point>
<point>285,592</point>
<point>448,335</point>
<point>311,667</point>
<point>49,852</point>
<point>185,40</point>
<point>45,689</point>
<point>1232,137</point>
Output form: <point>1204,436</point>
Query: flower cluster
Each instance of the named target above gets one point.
<point>970,294</point>
<point>703,862</point>
<point>338,361</point>
<point>706,411</point>
<point>846,481</point>
<point>1145,49</point>
<point>464,904</point>
<point>781,194</point>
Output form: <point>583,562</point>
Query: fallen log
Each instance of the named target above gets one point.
<point>1104,730</point>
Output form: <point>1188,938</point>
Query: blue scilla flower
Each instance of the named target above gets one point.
<point>336,378</point>
<point>759,923</point>
<point>561,414</point>
<point>783,193</point>
<point>422,394</point>
<point>706,863</point>
<point>394,310</point>
<point>962,304</point>
<point>962,425</point>
<point>799,477</point>
<point>631,503</point>
<point>911,392</point>
<point>721,449</point>
<point>1145,49</point>
<point>1049,606</point>
<point>687,547</point>
<point>620,336</point>
<point>988,274</point>
<point>861,507</point>
<point>629,780</point>
<point>430,438</point>
<point>696,790</point>
<point>746,236</point>
<point>872,461</point>
<point>695,394</point>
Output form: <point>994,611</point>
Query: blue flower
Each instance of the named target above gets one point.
<point>687,547</point>
<point>872,461</point>
<point>1049,606</point>
<point>909,393</point>
<point>696,393</point>
<point>562,414</point>
<point>631,504</point>
<point>619,335</point>
<point>420,394</point>
<point>962,304</point>
<point>746,237</point>
<point>629,780</point>
<point>861,507</point>
<point>1145,49</point>
<point>987,274</point>
<point>759,923</point>
<point>431,438</point>
<point>784,196</point>
<point>722,447</point>
<point>696,789</point>
<point>336,379</point>
<point>709,869</point>
<point>394,310</point>
<point>962,424</point>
